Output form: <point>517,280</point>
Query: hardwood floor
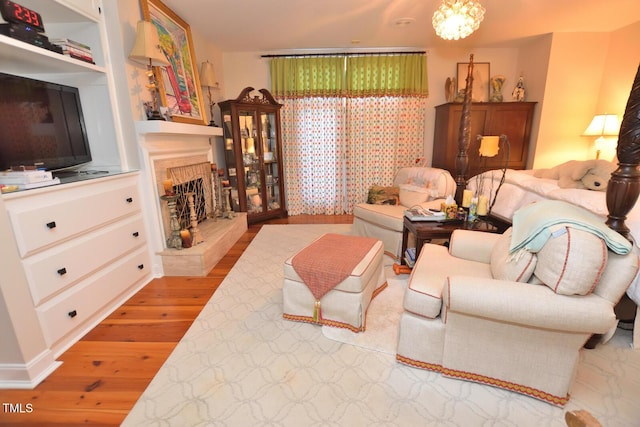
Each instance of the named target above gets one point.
<point>104,373</point>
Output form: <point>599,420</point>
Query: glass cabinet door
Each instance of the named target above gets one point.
<point>230,159</point>
<point>251,155</point>
<point>270,160</point>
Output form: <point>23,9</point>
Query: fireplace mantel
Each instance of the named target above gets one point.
<point>161,127</point>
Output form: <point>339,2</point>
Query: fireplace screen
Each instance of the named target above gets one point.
<point>195,179</point>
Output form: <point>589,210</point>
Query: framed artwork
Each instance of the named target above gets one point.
<point>178,82</point>
<point>480,90</point>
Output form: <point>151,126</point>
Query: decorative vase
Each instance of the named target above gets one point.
<point>496,88</point>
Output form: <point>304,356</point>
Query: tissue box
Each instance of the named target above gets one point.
<point>450,210</point>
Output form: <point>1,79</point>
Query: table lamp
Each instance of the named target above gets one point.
<point>603,125</point>
<point>208,80</point>
<point>146,50</point>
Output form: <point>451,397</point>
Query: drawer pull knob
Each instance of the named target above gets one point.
<point>62,271</point>
<point>140,266</point>
<point>51,225</point>
<point>73,314</point>
<point>136,234</point>
<point>129,199</point>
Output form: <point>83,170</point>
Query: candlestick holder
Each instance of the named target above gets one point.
<point>196,237</point>
<point>173,241</point>
<point>226,205</point>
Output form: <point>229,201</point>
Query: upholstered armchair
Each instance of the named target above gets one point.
<point>422,186</point>
<point>516,320</point>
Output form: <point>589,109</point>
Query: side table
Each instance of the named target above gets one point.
<point>425,231</point>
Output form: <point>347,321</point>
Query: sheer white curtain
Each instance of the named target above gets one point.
<point>314,155</point>
<point>384,134</point>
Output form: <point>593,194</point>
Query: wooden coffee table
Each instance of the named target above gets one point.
<point>425,231</point>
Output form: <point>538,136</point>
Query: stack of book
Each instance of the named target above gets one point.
<point>74,49</point>
<point>410,257</point>
<point>26,179</point>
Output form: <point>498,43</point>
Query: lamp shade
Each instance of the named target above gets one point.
<point>489,146</point>
<point>603,125</point>
<point>146,49</point>
<point>208,75</point>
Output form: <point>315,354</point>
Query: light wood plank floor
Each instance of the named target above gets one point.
<point>104,373</point>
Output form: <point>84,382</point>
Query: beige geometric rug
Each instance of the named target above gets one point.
<point>242,364</point>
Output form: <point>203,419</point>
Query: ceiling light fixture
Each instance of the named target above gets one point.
<point>456,19</point>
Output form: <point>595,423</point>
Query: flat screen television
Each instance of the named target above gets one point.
<point>41,124</point>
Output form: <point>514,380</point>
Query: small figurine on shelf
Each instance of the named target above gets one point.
<point>519,92</point>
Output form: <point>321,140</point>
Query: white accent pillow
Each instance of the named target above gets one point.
<point>411,195</point>
<point>572,261</point>
<point>516,267</point>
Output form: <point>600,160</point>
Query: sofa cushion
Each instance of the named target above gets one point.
<point>516,267</point>
<point>438,180</point>
<point>571,261</point>
<point>411,195</point>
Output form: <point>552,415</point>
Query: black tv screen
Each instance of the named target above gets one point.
<point>41,124</point>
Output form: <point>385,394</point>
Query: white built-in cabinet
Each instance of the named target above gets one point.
<point>70,254</point>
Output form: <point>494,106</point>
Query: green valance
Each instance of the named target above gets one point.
<point>350,76</point>
<point>308,76</point>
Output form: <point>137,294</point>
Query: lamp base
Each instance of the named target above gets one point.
<point>213,124</point>
<point>155,115</point>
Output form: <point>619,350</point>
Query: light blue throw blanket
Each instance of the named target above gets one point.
<point>531,226</point>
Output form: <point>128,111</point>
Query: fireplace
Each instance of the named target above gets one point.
<point>193,179</point>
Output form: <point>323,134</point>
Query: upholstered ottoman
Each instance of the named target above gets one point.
<point>332,281</point>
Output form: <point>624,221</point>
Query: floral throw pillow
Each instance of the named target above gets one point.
<point>379,195</point>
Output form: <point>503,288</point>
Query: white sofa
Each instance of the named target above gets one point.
<point>384,222</point>
<point>475,312</point>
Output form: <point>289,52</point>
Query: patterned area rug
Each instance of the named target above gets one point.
<point>242,364</point>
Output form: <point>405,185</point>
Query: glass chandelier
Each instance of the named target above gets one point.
<point>456,19</point>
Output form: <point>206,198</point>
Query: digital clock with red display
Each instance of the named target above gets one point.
<point>13,12</point>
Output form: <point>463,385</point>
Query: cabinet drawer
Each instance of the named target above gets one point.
<point>41,226</point>
<point>53,270</point>
<point>69,310</point>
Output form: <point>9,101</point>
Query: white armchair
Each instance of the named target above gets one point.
<point>476,313</point>
<point>424,186</point>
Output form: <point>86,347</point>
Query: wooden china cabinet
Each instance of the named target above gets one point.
<point>253,154</point>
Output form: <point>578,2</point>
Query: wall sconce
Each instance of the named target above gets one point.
<point>146,50</point>
<point>603,125</point>
<point>208,80</point>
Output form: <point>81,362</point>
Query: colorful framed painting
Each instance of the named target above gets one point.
<point>178,82</point>
<point>480,89</point>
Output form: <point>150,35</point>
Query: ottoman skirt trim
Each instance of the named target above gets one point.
<point>469,376</point>
<point>319,320</point>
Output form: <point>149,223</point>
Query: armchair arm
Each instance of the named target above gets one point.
<point>526,304</point>
<point>472,245</point>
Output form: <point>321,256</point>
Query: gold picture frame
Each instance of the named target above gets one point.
<point>481,77</point>
<point>178,82</point>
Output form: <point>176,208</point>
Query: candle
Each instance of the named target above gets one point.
<point>483,205</point>
<point>466,198</point>
<point>168,187</point>
<point>251,147</point>
<point>185,235</point>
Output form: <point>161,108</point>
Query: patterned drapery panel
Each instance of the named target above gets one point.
<point>314,144</point>
<point>384,134</point>
<point>343,133</point>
